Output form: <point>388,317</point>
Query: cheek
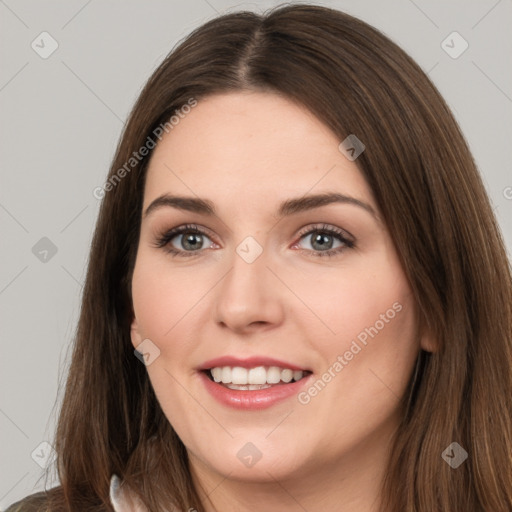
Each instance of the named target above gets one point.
<point>164,301</point>
<point>150,303</point>
<point>368,319</point>
<point>350,303</point>
<point>164,307</point>
<point>368,361</point>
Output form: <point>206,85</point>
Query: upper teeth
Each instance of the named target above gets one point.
<point>258,375</point>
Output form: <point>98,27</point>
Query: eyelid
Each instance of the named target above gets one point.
<point>347,240</point>
<point>185,228</point>
<point>322,226</point>
<point>164,238</point>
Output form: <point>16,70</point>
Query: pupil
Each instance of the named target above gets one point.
<point>191,241</point>
<point>324,241</point>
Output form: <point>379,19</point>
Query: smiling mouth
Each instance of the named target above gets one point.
<point>252,379</point>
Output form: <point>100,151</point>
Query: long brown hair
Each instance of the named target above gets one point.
<point>432,199</point>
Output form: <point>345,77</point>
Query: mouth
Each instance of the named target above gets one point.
<point>254,383</point>
<point>254,379</point>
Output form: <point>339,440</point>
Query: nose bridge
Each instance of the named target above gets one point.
<point>246,295</point>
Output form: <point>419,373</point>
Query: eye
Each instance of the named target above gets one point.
<point>184,239</point>
<point>325,240</point>
<point>189,240</point>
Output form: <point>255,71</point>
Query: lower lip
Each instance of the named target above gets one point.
<point>252,400</point>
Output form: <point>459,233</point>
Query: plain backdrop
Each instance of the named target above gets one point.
<point>61,117</point>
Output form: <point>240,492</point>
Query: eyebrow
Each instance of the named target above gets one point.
<point>286,208</point>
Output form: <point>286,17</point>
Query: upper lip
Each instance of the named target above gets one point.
<point>249,362</point>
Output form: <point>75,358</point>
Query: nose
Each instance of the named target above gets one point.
<point>249,297</point>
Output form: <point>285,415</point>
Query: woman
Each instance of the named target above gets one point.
<point>296,243</point>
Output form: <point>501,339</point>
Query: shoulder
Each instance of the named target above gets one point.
<point>34,503</point>
<point>40,501</point>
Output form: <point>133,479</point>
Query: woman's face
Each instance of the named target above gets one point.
<point>271,280</point>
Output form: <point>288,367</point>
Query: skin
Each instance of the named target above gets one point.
<point>247,152</point>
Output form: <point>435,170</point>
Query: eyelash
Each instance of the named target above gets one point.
<point>163,241</point>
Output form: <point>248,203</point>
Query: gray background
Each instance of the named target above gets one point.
<point>61,118</point>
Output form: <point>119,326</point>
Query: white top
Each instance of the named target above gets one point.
<point>124,500</point>
<point>121,498</point>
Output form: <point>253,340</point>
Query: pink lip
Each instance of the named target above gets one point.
<point>251,400</point>
<point>250,362</point>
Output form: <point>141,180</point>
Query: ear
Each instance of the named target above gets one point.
<point>426,336</point>
<point>428,344</point>
<point>428,341</point>
<point>135,333</point>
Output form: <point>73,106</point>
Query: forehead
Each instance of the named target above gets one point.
<point>250,147</point>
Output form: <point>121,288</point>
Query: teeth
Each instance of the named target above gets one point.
<point>259,377</point>
<point>226,375</point>
<point>217,374</point>
<point>287,375</point>
<point>239,375</point>
<point>248,387</point>
<point>273,375</point>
